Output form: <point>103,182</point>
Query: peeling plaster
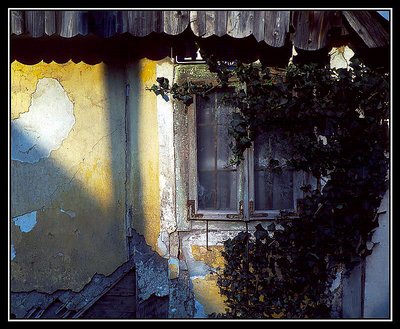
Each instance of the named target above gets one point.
<point>199,310</point>
<point>165,119</point>
<point>198,267</point>
<point>13,253</point>
<point>26,222</point>
<point>84,175</point>
<point>173,268</point>
<point>340,57</point>
<point>34,134</point>
<point>163,244</point>
<point>70,213</point>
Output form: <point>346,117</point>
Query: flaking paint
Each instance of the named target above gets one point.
<point>36,133</point>
<point>26,222</point>
<point>84,176</point>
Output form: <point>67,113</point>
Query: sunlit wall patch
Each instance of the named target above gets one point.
<point>44,127</point>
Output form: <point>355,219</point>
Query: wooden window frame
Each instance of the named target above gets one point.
<point>245,210</point>
<point>193,209</point>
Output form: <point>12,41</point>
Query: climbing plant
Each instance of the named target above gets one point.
<point>337,123</point>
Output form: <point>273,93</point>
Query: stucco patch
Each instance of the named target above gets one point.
<point>44,127</point>
<point>212,257</point>
<point>26,222</point>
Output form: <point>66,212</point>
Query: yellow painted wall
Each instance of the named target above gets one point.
<point>85,175</point>
<point>205,289</point>
<point>145,193</point>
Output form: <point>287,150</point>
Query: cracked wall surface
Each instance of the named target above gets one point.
<point>143,188</point>
<point>44,127</point>
<point>67,201</point>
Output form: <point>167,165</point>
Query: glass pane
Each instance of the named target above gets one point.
<point>206,147</point>
<point>283,190</point>
<point>223,111</point>
<point>224,152</point>
<point>267,146</point>
<point>205,112</point>
<point>206,190</point>
<point>217,189</point>
<point>272,191</point>
<point>263,181</point>
<point>262,152</point>
<point>227,190</point>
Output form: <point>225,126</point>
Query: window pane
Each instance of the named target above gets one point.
<point>224,152</point>
<point>263,190</point>
<point>227,190</point>
<point>206,147</point>
<point>205,109</point>
<point>272,191</point>
<point>283,190</point>
<point>223,112</point>
<point>217,183</point>
<point>206,190</point>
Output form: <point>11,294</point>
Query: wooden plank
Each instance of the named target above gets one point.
<point>221,21</point>
<point>198,22</point>
<point>50,22</point>
<point>311,29</point>
<point>72,22</point>
<point>369,30</point>
<point>88,306</point>
<point>204,23</point>
<point>276,27</point>
<point>259,24</point>
<point>211,21</point>
<point>175,21</point>
<point>34,23</point>
<point>240,23</point>
<point>17,22</point>
<point>112,307</point>
<point>125,287</point>
<point>122,22</point>
<point>104,22</point>
<point>143,22</point>
<point>153,308</point>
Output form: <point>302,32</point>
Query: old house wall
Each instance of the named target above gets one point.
<point>86,170</point>
<point>67,174</point>
<point>95,154</point>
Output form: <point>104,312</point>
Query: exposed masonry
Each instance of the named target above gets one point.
<point>41,130</point>
<point>153,279</point>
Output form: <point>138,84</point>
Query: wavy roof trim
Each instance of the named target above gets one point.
<point>307,30</point>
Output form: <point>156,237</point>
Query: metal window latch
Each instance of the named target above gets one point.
<point>192,210</point>
<point>240,215</point>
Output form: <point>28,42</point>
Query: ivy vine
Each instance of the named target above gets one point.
<point>337,123</point>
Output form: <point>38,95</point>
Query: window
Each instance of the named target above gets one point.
<point>250,190</point>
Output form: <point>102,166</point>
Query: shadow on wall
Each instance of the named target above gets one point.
<point>77,194</point>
